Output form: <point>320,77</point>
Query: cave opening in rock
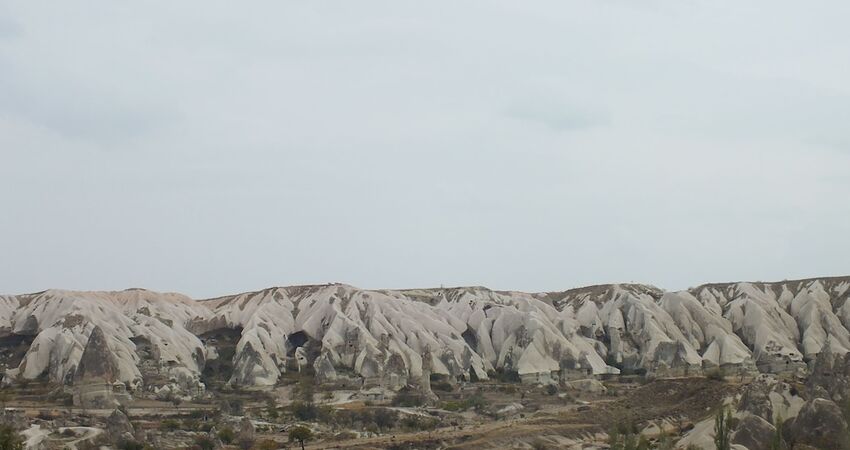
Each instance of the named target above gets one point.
<point>294,341</point>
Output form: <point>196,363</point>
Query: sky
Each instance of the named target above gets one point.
<point>212,148</point>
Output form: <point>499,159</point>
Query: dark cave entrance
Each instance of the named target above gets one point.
<point>294,341</point>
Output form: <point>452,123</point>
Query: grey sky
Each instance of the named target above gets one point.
<point>209,148</point>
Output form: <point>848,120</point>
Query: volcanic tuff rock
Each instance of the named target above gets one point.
<point>392,338</point>
<point>820,423</point>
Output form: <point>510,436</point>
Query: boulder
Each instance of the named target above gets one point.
<point>821,424</point>
<point>117,424</point>
<point>754,433</point>
<point>97,362</point>
<point>247,432</point>
<point>756,399</point>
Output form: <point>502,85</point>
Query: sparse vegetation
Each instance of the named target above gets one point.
<point>10,439</point>
<point>626,437</point>
<point>716,375</point>
<point>130,445</point>
<point>722,429</point>
<point>408,397</point>
<point>306,411</point>
<point>204,443</point>
<point>300,434</point>
<point>440,382</point>
<point>778,443</point>
<point>539,445</point>
<point>504,375</point>
<point>226,435</point>
<point>266,444</point>
<point>385,418</point>
<point>169,425</point>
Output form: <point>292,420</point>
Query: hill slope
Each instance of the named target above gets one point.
<point>393,338</point>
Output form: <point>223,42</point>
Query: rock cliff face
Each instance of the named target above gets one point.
<point>392,338</point>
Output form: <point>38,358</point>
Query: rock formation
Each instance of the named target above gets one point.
<point>153,342</point>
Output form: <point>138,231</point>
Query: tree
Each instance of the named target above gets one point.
<point>776,443</point>
<point>722,431</point>
<point>10,439</point>
<point>306,411</point>
<point>4,398</point>
<point>271,409</point>
<point>385,418</point>
<point>176,401</point>
<point>300,434</point>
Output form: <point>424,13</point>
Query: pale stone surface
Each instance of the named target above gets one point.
<point>392,338</point>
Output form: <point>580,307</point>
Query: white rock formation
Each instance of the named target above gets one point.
<point>394,337</point>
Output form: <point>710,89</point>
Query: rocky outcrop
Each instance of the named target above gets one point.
<point>247,431</point>
<point>830,376</point>
<point>770,399</point>
<point>118,425</point>
<point>97,363</point>
<point>820,424</point>
<point>754,433</point>
<point>392,338</point>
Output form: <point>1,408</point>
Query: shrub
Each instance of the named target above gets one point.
<point>627,441</point>
<point>505,375</point>
<point>440,382</point>
<point>716,374</point>
<point>408,397</point>
<point>475,401</point>
<point>226,435</point>
<point>191,424</point>
<point>305,389</point>
<point>169,425</point>
<point>130,445</point>
<point>385,418</point>
<point>204,443</point>
<point>453,406</point>
<point>551,389</point>
<point>305,411</point>
<point>417,423</point>
<point>539,445</point>
<point>267,444</point>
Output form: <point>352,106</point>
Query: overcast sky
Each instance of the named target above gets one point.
<point>212,147</point>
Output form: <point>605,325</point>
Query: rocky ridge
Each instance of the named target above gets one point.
<point>393,338</point>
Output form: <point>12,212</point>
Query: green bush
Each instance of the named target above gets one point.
<point>226,435</point>
<point>300,434</point>
<point>169,425</point>
<point>204,443</point>
<point>385,418</point>
<point>305,411</point>
<point>716,374</point>
<point>408,397</point>
<point>505,375</point>
<point>130,445</point>
<point>453,406</point>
